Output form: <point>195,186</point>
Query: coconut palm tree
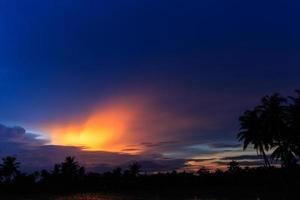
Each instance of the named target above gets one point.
<point>274,112</point>
<point>251,133</point>
<point>285,151</point>
<point>295,120</point>
<point>273,125</point>
<point>274,116</point>
<point>9,168</point>
<point>287,144</point>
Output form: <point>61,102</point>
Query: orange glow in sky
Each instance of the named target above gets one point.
<point>123,126</point>
<point>104,130</point>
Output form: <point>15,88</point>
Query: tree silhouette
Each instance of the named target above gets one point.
<point>9,168</point>
<point>70,169</point>
<point>233,166</point>
<point>251,133</point>
<point>218,182</point>
<point>117,172</point>
<point>273,125</point>
<point>285,152</point>
<point>286,143</point>
<point>56,170</point>
<point>134,169</point>
<point>203,171</point>
<point>295,122</point>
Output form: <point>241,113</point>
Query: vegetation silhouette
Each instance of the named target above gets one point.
<point>234,167</point>
<point>272,128</point>
<point>9,168</point>
<point>273,125</point>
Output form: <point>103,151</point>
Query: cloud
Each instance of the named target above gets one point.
<point>159,144</point>
<point>243,157</point>
<point>17,134</point>
<point>153,155</point>
<point>46,156</point>
<point>242,163</point>
<point>222,145</point>
<point>200,159</point>
<point>134,123</point>
<point>36,154</point>
<point>162,165</point>
<point>131,150</point>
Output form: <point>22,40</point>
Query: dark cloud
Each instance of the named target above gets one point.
<point>200,159</point>
<point>34,153</point>
<point>242,163</point>
<point>130,149</point>
<point>244,160</point>
<point>159,144</point>
<point>17,134</point>
<point>162,165</point>
<point>46,156</point>
<point>243,157</point>
<point>223,145</point>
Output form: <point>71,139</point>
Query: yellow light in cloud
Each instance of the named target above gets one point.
<point>105,130</point>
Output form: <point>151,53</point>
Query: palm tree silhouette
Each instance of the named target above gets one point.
<point>273,125</point>
<point>286,153</point>
<point>287,142</point>
<point>251,133</point>
<point>9,168</point>
<point>295,121</point>
<point>273,115</point>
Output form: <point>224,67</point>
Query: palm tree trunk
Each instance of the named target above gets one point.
<point>267,163</point>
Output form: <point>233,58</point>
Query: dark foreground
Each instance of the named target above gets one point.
<point>236,183</point>
<point>70,181</point>
<point>94,196</point>
<point>204,193</point>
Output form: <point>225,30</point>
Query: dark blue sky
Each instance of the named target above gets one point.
<point>207,60</point>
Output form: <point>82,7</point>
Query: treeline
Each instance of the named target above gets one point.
<point>70,177</point>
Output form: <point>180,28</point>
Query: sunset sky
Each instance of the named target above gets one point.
<point>155,81</point>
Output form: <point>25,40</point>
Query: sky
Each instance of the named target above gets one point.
<point>154,81</point>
